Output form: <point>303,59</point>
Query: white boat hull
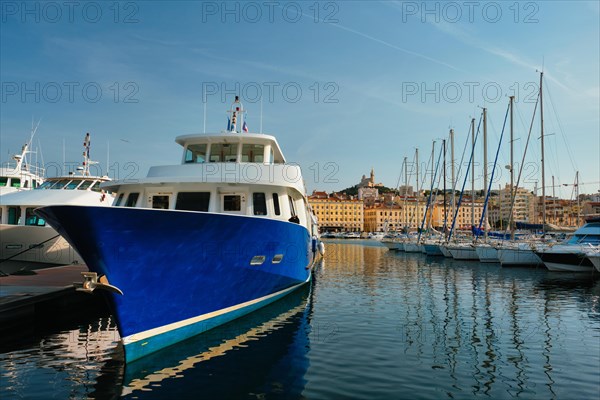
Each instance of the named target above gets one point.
<point>558,267</point>
<point>15,239</point>
<point>445,251</point>
<point>487,254</point>
<point>464,253</point>
<point>518,257</point>
<point>412,247</point>
<point>391,244</point>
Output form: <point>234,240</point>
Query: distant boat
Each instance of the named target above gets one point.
<point>21,175</point>
<point>26,236</point>
<point>571,256</point>
<point>193,246</point>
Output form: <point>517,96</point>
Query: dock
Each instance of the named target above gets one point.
<point>45,295</point>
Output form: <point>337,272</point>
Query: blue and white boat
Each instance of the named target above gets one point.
<point>570,256</point>
<point>195,245</point>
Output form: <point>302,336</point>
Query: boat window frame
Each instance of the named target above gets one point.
<point>30,216</point>
<point>15,216</point>
<point>118,200</point>
<point>252,152</point>
<point>195,156</point>
<point>276,205</point>
<point>204,202</point>
<point>259,205</point>
<point>217,153</point>
<point>132,203</point>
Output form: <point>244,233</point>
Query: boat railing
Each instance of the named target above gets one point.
<point>25,168</point>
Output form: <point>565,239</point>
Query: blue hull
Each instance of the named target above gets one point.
<point>182,273</point>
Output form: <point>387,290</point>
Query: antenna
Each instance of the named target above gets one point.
<point>204,130</point>
<point>107,156</point>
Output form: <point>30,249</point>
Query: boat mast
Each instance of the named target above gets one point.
<point>429,218</point>
<point>445,211</point>
<point>418,213</point>
<point>473,172</point>
<point>485,173</point>
<point>577,194</point>
<point>405,194</point>
<point>543,169</point>
<point>453,177</point>
<point>512,174</point>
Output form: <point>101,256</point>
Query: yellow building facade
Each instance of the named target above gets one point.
<point>337,215</point>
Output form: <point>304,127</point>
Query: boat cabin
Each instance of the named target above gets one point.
<point>232,173</point>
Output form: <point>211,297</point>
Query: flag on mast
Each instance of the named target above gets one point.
<point>245,127</point>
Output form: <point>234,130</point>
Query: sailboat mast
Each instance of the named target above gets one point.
<point>485,172</point>
<point>418,213</point>
<point>445,211</point>
<point>429,218</point>
<point>473,172</point>
<point>543,168</point>
<point>577,194</point>
<point>452,173</point>
<point>512,173</point>
<point>405,193</point>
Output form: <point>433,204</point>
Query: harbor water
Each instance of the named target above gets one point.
<point>374,324</point>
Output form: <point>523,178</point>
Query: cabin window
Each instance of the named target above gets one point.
<point>259,202</point>
<point>292,208</point>
<point>14,214</point>
<point>47,185</point>
<point>61,184</point>
<point>223,152</point>
<point>253,153</point>
<point>160,202</point>
<point>276,204</point>
<point>232,202</point>
<point>85,184</point>
<point>33,220</point>
<point>15,182</point>
<point>35,184</point>
<point>3,181</point>
<point>195,153</point>
<point>193,201</point>
<point>26,184</point>
<point>119,200</point>
<point>72,185</point>
<point>132,199</point>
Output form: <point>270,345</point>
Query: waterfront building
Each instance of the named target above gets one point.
<point>500,205</point>
<point>337,212</point>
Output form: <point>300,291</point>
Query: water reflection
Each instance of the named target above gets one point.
<point>374,324</point>
<point>262,353</point>
<point>473,329</point>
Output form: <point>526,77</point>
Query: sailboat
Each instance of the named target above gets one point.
<point>466,250</point>
<point>521,253</point>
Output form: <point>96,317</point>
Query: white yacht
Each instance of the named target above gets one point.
<point>26,236</point>
<point>570,256</point>
<point>20,175</point>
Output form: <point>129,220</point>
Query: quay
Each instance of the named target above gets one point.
<point>45,295</point>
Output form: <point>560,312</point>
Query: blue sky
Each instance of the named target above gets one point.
<point>345,86</point>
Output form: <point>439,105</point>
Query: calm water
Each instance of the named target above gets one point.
<point>374,324</point>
